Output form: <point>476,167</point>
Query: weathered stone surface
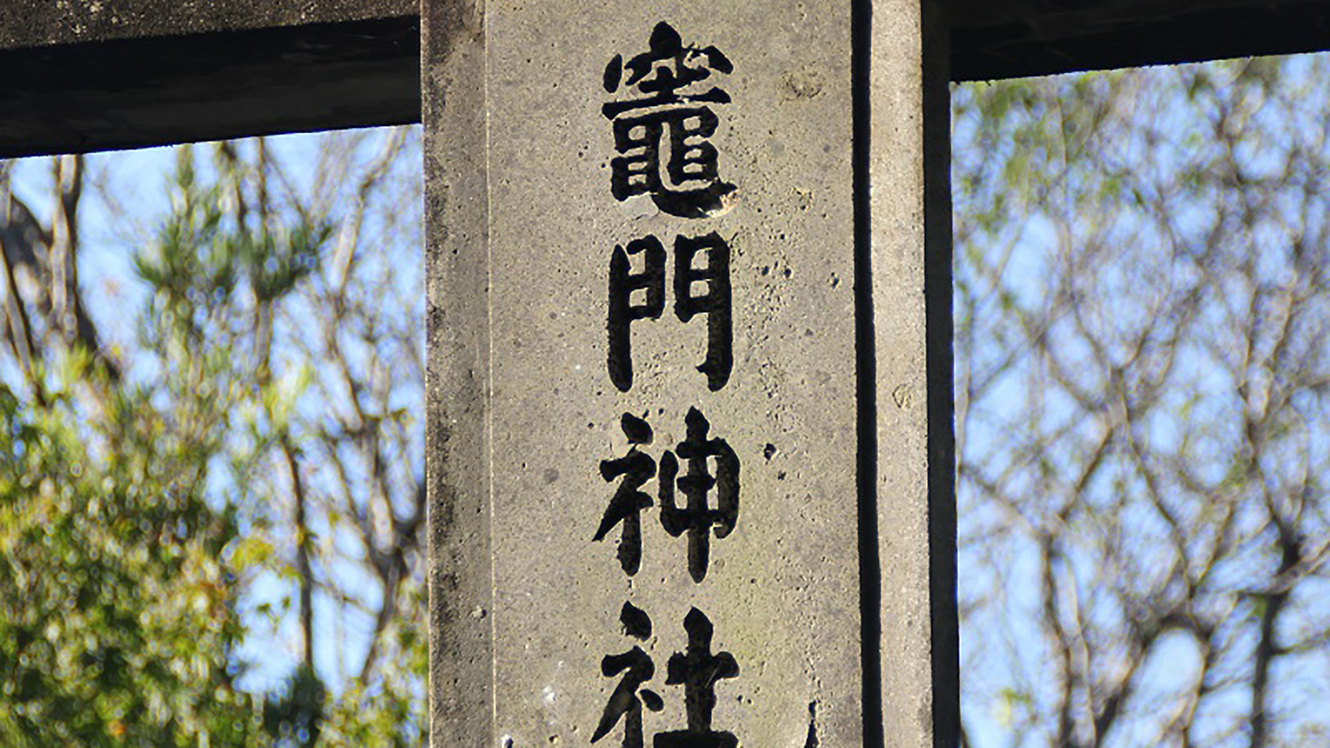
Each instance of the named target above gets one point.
<point>32,23</point>
<point>782,589</point>
<point>157,90</point>
<point>521,485</point>
<point>909,238</point>
<point>457,381</point>
<point>1013,38</point>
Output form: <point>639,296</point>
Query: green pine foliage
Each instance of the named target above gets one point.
<point>118,620</point>
<point>139,512</point>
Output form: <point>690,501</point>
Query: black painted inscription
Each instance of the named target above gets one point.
<point>637,668</point>
<point>664,91</point>
<point>663,112</point>
<point>636,622</point>
<point>715,300</point>
<point>696,517</point>
<point>623,312</point>
<point>697,669</point>
<point>635,468</point>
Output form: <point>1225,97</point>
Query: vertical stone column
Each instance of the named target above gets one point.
<point>905,318</point>
<point>457,386</point>
<point>689,396</point>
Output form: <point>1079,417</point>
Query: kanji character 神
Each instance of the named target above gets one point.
<point>628,502</point>
<point>696,517</point>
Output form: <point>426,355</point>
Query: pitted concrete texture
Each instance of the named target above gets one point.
<point>542,634</point>
<point>33,23</point>
<point>782,589</point>
<point>457,453</point>
<point>1012,38</point>
<point>909,233</point>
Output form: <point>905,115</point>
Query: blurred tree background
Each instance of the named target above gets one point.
<point>211,501</point>
<point>211,522</point>
<point>1142,298</point>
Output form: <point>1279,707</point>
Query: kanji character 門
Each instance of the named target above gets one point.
<point>649,283</point>
<point>623,312</point>
<point>715,303</point>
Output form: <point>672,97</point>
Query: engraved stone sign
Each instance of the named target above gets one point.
<point>673,456</point>
<point>677,268</point>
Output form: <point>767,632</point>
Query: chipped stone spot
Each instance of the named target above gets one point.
<point>902,396</point>
<point>803,84</point>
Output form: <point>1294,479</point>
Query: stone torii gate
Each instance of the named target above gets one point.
<point>689,318</point>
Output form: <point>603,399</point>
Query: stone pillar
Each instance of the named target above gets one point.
<point>689,389</point>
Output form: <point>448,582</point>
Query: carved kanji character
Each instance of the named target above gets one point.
<point>688,182</point>
<point>623,312</point>
<point>637,668</point>
<point>696,517</point>
<point>715,302</point>
<point>649,285</point>
<point>663,74</point>
<point>636,468</point>
<point>698,671</point>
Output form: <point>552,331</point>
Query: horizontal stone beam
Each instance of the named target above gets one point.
<point>42,23</point>
<point>119,74</point>
<point>62,92</point>
<point>1015,38</point>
